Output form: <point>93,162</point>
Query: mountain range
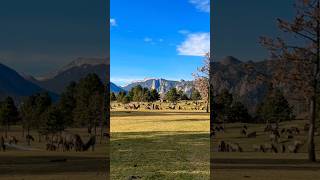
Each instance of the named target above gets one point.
<point>18,85</point>
<point>56,81</point>
<point>162,85</point>
<point>247,81</point>
<point>15,85</point>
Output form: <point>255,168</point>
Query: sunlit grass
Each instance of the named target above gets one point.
<point>163,144</point>
<point>142,121</point>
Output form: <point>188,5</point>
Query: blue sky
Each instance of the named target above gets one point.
<point>157,38</point>
<point>39,36</point>
<point>238,24</point>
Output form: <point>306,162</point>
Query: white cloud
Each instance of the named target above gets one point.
<point>196,44</point>
<point>183,31</point>
<point>113,22</point>
<point>147,39</point>
<point>202,5</point>
<point>121,81</point>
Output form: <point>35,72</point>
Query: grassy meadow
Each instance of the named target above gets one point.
<point>160,144</point>
<point>163,144</point>
<point>37,163</point>
<point>262,166</point>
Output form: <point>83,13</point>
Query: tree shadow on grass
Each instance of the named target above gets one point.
<point>51,164</point>
<point>178,120</point>
<point>278,163</point>
<point>146,154</point>
<point>153,113</point>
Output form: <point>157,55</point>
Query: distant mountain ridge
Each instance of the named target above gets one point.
<point>15,85</point>
<point>115,88</point>
<point>79,68</point>
<point>79,62</point>
<point>74,71</point>
<point>249,82</point>
<point>162,85</point>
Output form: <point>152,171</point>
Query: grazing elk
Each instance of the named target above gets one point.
<point>222,147</point>
<point>259,148</point>
<point>78,143</point>
<point>267,128</point>
<point>306,127</point>
<point>68,142</point>
<point>90,143</point>
<point>219,128</point>
<point>212,132</point>
<point>235,147</point>
<point>60,142</point>
<point>136,107</point>
<point>295,130</point>
<point>274,136</point>
<point>282,148</point>
<point>2,144</point>
<point>13,140</point>
<point>29,138</point>
<point>67,146</point>
<point>252,135</point>
<point>270,148</point>
<point>51,147</point>
<point>294,148</point>
<point>243,132</point>
<point>274,148</point>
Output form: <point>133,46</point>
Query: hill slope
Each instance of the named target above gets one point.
<point>15,85</point>
<point>74,71</point>
<point>250,82</point>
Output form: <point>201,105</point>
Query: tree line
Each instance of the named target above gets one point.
<point>80,105</point>
<point>273,109</point>
<point>140,94</point>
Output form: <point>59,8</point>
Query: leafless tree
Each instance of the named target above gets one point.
<point>298,57</point>
<point>202,79</point>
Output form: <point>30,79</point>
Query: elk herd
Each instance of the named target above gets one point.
<point>55,142</point>
<point>69,142</point>
<point>194,106</point>
<point>273,139</point>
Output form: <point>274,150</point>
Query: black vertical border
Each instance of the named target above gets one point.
<point>211,93</point>
<point>107,89</point>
